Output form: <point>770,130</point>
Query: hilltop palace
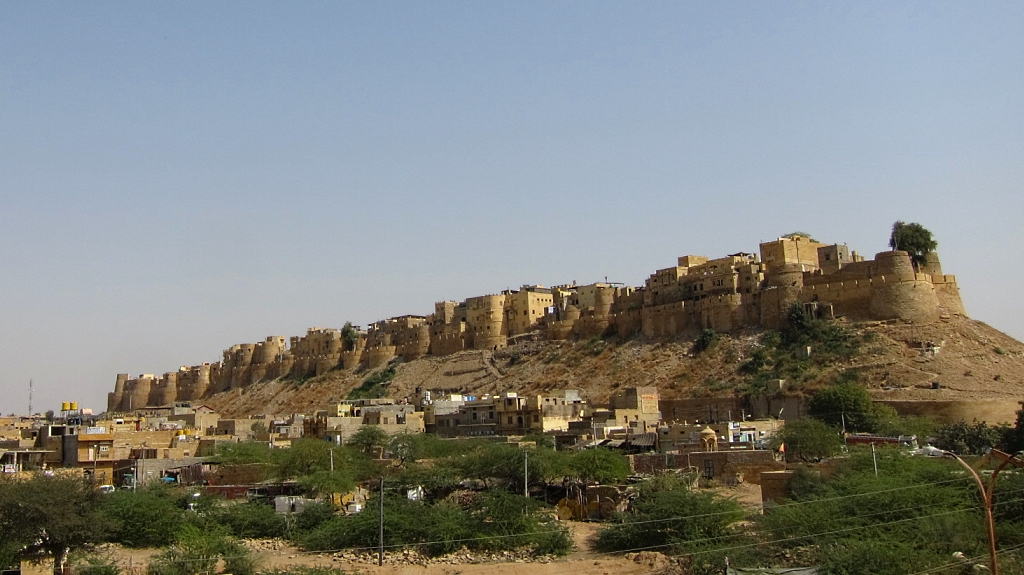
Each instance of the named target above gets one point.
<point>726,294</point>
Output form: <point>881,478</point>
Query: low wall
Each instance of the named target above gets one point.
<point>748,464</point>
<point>992,411</point>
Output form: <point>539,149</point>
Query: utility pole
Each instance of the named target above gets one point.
<point>380,549</point>
<point>332,460</point>
<point>30,397</point>
<point>526,474</point>
<point>874,459</point>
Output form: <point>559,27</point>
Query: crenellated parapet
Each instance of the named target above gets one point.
<point>735,292</point>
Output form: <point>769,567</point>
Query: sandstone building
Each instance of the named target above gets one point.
<point>725,294</point>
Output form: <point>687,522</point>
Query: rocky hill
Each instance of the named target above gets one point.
<point>979,370</point>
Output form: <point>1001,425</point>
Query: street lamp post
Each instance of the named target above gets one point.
<point>986,495</point>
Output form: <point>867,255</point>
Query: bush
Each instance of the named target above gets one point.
<point>375,385</point>
<point>146,518</point>
<point>677,519</point>
<point>239,559</point>
<point>198,552</point>
<point>916,511</point>
<point>496,521</point>
<point>314,516</point>
<point>705,340</point>
<point>195,552</point>
<point>252,520</point>
<point>97,565</point>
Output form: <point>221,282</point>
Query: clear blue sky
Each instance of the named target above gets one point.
<point>176,178</point>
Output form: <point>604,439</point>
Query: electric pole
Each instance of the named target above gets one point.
<point>380,549</point>
<point>526,474</point>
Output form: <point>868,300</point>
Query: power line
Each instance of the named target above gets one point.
<point>663,545</point>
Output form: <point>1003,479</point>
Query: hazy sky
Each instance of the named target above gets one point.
<point>179,177</point>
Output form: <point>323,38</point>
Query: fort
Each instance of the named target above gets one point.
<point>742,290</point>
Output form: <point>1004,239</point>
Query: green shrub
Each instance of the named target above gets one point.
<point>497,520</point>
<point>915,512</point>
<point>705,340</point>
<point>252,520</point>
<point>239,559</point>
<point>197,551</point>
<point>194,552</point>
<point>97,565</point>
<point>313,516</point>
<point>145,518</point>
<point>677,519</point>
<point>375,385</point>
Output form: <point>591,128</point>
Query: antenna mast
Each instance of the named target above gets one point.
<point>30,397</point>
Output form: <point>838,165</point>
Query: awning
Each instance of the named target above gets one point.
<point>644,440</point>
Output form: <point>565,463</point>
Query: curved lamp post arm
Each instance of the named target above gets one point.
<point>1004,461</point>
<point>986,498</point>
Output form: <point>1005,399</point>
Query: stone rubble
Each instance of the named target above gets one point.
<point>406,556</point>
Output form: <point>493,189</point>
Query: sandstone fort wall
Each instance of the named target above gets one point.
<point>725,294</point>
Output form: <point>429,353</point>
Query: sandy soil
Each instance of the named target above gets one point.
<point>582,560</point>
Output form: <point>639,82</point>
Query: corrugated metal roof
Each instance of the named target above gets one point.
<point>643,440</point>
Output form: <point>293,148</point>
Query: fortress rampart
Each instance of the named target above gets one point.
<point>738,291</point>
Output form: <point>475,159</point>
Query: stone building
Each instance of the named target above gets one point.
<point>738,291</point>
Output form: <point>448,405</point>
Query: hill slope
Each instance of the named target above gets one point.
<point>980,371</point>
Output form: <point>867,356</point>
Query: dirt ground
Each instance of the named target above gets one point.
<point>582,560</point>
<point>747,494</point>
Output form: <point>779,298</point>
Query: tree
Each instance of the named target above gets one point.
<point>51,516</point>
<point>793,235</point>
<point>599,465</point>
<point>965,438</point>
<point>370,439</point>
<point>809,440</point>
<point>349,335</point>
<point>914,239</point>
<point>849,406</point>
<point>259,430</point>
<point>1013,437</point>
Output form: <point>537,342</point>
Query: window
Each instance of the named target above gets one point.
<point>510,420</point>
<point>474,415</point>
<point>709,468</point>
